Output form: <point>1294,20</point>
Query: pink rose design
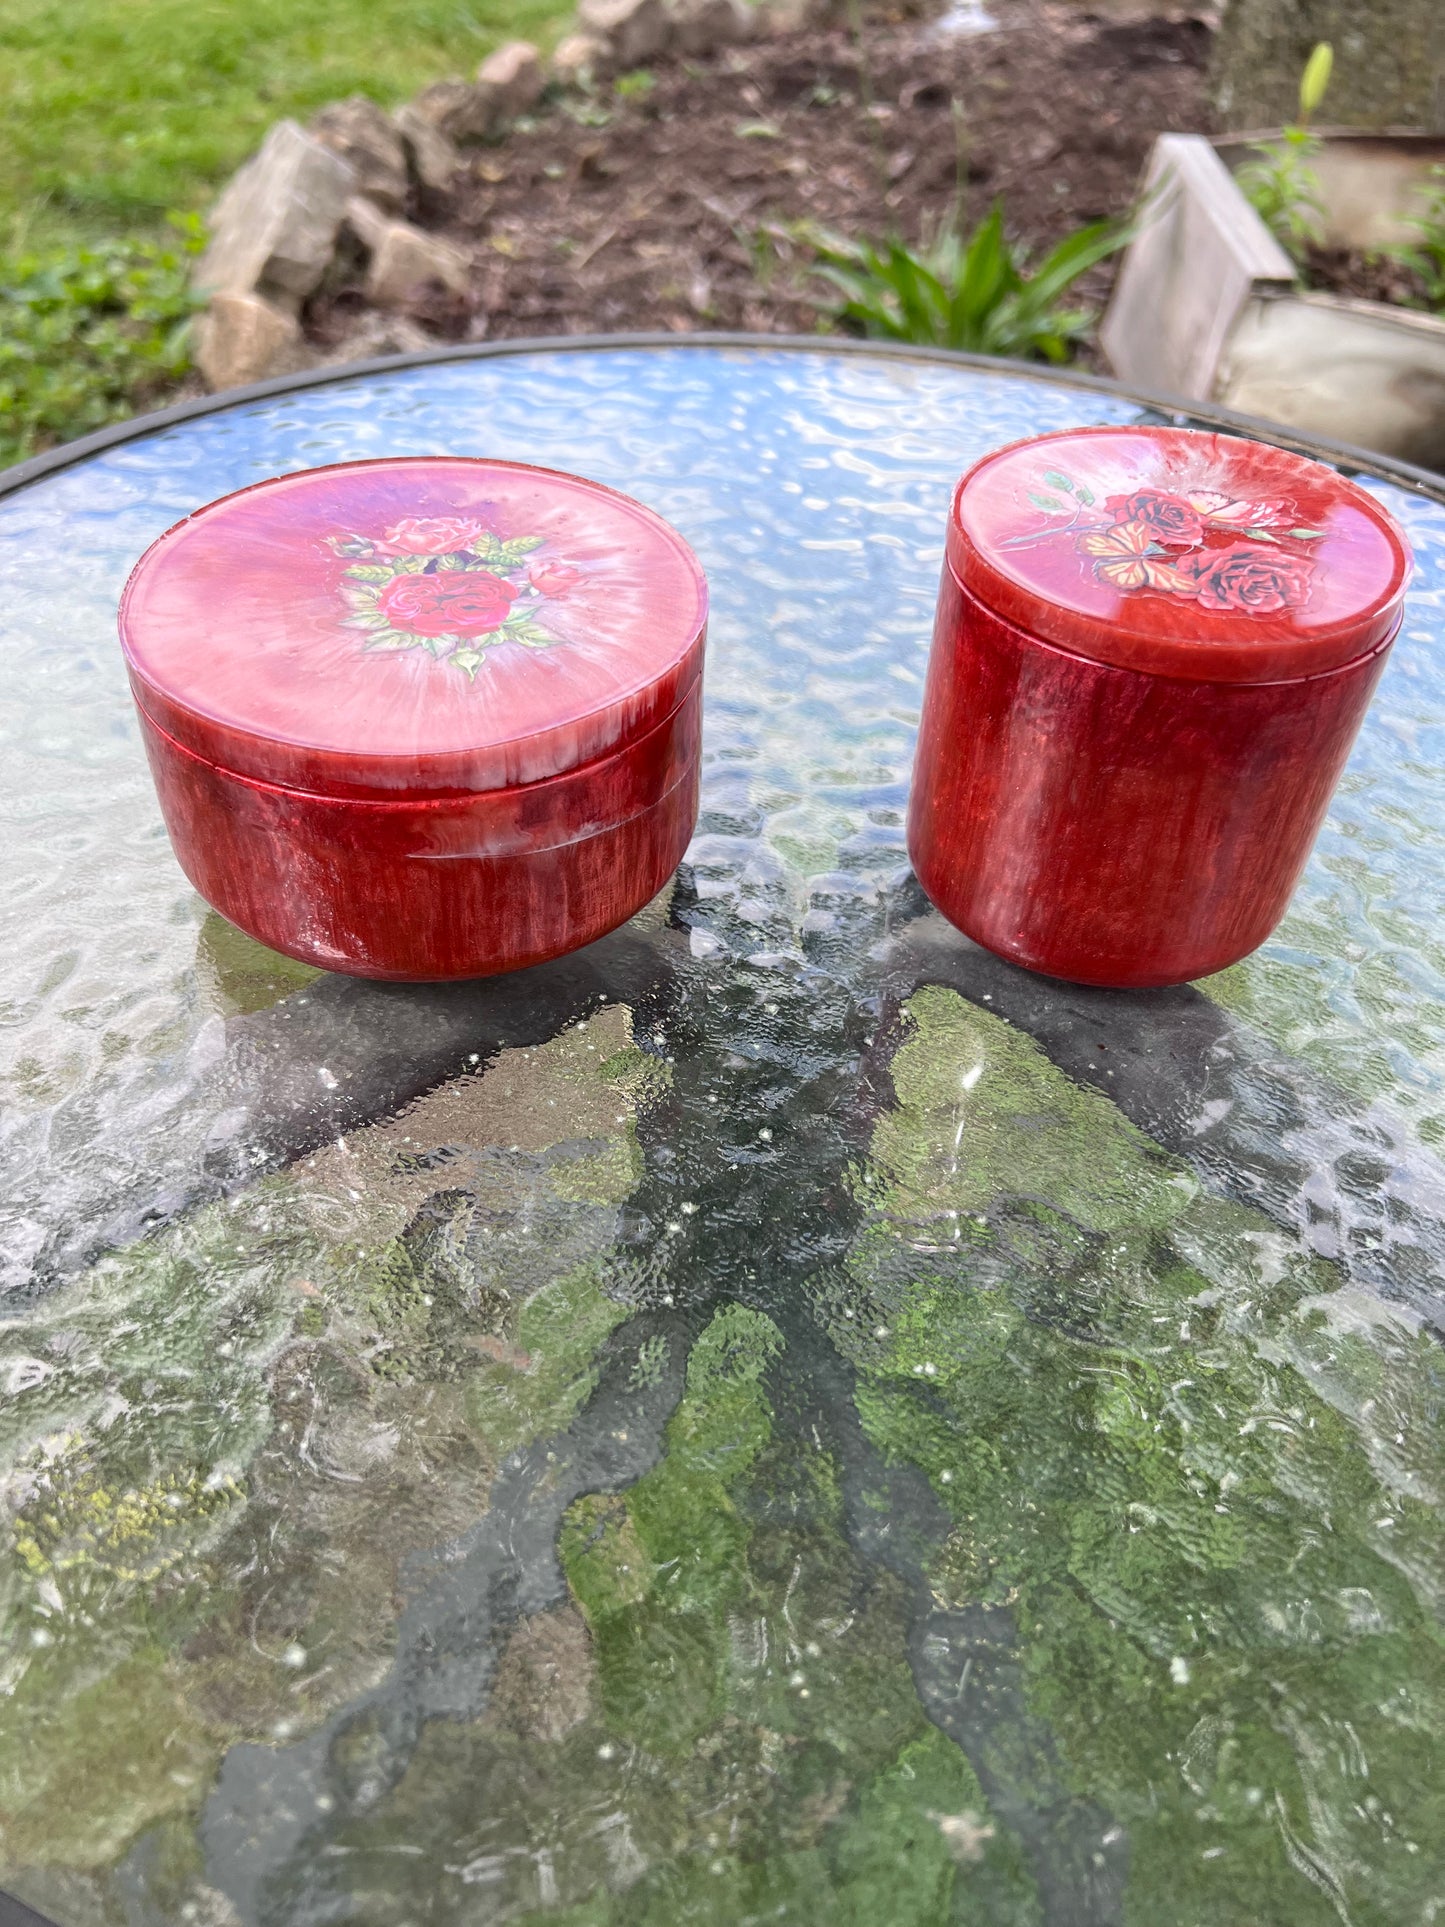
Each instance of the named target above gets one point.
<point>1251,578</point>
<point>1170,519</point>
<point>454,602</point>
<point>435,535</point>
<point>553,578</point>
<point>1224,512</point>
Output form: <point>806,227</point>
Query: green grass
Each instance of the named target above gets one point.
<point>117,110</point>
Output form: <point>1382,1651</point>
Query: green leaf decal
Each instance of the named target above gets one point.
<point>1262,535</point>
<point>1050,504</point>
<point>468,659</point>
<point>1055,480</point>
<point>512,552</point>
<point>369,572</point>
<point>1086,496</point>
<point>1305,535</point>
<point>391,639</point>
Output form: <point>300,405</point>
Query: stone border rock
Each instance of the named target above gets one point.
<point>337,193</point>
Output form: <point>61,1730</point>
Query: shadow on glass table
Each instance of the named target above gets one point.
<point>777,1415</point>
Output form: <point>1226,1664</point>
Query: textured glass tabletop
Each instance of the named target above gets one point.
<point>778,1417</point>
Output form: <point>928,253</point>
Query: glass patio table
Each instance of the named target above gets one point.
<point>777,1417</point>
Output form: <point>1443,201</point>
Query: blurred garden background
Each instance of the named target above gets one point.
<point>118,111</point>
<point>959,173</point>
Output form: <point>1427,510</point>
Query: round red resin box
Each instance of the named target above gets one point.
<point>422,718</point>
<point>1153,651</point>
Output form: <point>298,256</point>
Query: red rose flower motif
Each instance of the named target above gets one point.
<point>435,535</point>
<point>1171,519</point>
<point>553,578</point>
<point>454,602</point>
<point>1251,578</point>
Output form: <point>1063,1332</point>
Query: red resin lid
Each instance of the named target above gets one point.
<point>1180,553</point>
<point>419,626</point>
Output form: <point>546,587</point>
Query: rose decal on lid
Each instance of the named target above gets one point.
<point>1250,580</point>
<point>463,602</point>
<point>452,586</point>
<point>1225,554</point>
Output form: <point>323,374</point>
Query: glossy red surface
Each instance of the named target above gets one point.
<point>425,718</point>
<point>436,887</point>
<point>1113,827</point>
<point>416,626</point>
<point>1180,552</point>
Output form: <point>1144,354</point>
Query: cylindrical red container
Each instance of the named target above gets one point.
<point>1153,650</point>
<point>423,718</point>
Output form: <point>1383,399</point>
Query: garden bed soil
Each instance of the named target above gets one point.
<point>1364,276</point>
<point>681,199</point>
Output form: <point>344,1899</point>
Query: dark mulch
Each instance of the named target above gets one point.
<point>1368,277</point>
<point>679,206</point>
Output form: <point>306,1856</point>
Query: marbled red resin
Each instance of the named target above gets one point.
<point>1123,789</point>
<point>425,718</point>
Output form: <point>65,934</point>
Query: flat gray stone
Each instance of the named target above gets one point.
<point>241,338</point>
<point>636,30</point>
<point>702,26</point>
<point>273,231</point>
<point>405,259</point>
<point>457,110</point>
<point>366,222</point>
<point>511,81</point>
<point>433,158</point>
<point>579,56</point>
<point>364,136</point>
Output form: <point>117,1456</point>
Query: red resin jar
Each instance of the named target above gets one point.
<point>1154,649</point>
<point>424,718</point>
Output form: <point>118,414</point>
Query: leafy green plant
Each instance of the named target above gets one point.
<point>1281,183</point>
<point>89,334</point>
<point>973,291</point>
<point>1426,257</point>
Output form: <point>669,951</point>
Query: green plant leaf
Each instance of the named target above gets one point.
<point>1315,79</point>
<point>972,294</point>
